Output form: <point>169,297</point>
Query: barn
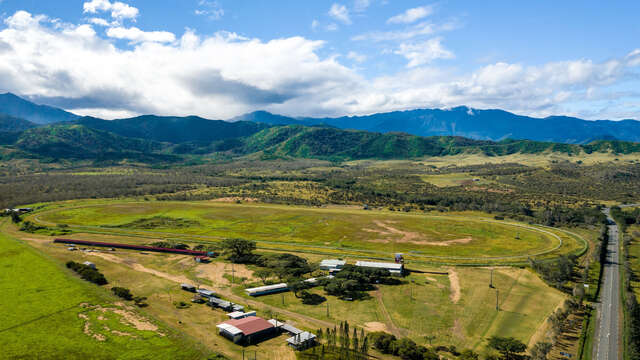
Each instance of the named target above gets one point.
<point>249,330</point>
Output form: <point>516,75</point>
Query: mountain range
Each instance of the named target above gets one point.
<point>471,123</point>
<point>49,133</point>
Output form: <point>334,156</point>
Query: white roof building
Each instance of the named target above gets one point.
<point>240,314</point>
<point>332,264</point>
<point>395,269</point>
<point>268,289</point>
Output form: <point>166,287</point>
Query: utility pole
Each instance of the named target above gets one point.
<point>411,290</point>
<point>491,281</point>
<point>283,299</point>
<point>497,306</point>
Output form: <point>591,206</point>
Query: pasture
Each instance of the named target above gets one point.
<point>425,237</point>
<point>49,313</point>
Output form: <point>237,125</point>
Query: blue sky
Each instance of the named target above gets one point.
<point>222,58</point>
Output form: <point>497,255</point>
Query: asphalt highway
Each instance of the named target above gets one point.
<point>606,344</point>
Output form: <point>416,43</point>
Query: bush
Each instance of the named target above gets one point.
<point>122,292</point>
<point>312,299</point>
<point>87,273</point>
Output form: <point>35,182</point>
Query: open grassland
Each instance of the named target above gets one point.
<point>457,309</point>
<point>454,309</point>
<point>463,237</point>
<point>48,313</point>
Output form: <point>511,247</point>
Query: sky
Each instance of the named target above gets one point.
<point>223,58</point>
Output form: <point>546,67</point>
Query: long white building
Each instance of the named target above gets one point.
<point>394,268</point>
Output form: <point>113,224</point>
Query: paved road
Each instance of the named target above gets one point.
<point>606,344</point>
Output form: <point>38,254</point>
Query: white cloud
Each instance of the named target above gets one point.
<point>361,5</point>
<point>357,57</point>
<point>411,15</point>
<point>417,30</point>
<point>99,21</point>
<point>340,13</point>
<point>211,9</point>
<point>119,10</point>
<point>224,74</point>
<point>423,52</point>
<point>136,35</point>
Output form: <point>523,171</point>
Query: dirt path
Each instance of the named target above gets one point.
<point>454,282</point>
<point>389,322</point>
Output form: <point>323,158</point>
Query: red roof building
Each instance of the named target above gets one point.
<point>249,330</point>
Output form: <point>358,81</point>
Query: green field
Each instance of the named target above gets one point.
<point>423,306</point>
<point>332,230</point>
<point>48,313</point>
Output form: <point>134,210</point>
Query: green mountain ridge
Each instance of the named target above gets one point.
<point>74,141</point>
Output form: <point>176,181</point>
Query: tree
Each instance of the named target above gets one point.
<point>239,250</point>
<point>540,350</point>
<point>468,354</point>
<point>263,274</point>
<point>15,217</point>
<point>297,286</point>
<point>354,341</point>
<point>507,346</point>
<point>140,301</point>
<point>122,292</point>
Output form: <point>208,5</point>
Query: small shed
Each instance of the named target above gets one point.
<point>302,341</point>
<point>188,287</point>
<point>202,259</point>
<point>240,314</point>
<point>206,293</point>
<point>89,264</point>
<point>332,264</point>
<point>219,303</point>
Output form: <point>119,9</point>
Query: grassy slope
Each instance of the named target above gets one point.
<point>40,305</point>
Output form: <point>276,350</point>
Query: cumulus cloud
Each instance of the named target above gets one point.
<point>119,10</point>
<point>216,76</point>
<point>136,35</point>
<point>424,52</point>
<point>224,74</point>
<point>340,13</point>
<point>99,22</point>
<point>411,15</point>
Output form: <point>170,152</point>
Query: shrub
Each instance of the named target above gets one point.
<point>87,273</point>
<point>122,292</point>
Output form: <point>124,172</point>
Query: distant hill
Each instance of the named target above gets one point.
<point>80,142</point>
<point>462,121</point>
<point>174,129</point>
<point>338,144</point>
<point>14,124</point>
<point>16,106</point>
